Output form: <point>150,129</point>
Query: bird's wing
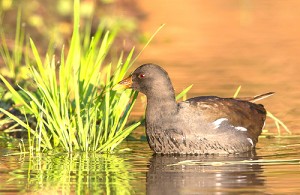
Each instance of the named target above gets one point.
<point>240,114</point>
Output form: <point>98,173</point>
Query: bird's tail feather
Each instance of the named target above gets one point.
<point>257,98</point>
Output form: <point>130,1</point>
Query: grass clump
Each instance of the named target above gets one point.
<point>73,105</point>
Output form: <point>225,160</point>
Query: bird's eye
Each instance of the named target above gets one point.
<point>141,76</point>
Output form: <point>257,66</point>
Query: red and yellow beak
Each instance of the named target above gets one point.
<point>124,84</point>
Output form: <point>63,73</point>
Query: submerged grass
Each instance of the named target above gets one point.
<point>226,163</point>
<point>73,105</point>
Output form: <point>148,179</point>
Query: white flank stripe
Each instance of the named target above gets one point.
<point>250,140</point>
<point>240,128</point>
<point>218,122</point>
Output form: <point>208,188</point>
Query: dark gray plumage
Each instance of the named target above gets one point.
<point>200,125</point>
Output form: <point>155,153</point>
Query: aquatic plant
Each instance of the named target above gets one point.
<point>13,61</point>
<point>73,106</point>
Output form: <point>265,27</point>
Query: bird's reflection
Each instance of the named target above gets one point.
<point>210,174</point>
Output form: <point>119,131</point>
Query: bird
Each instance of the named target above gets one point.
<point>199,125</point>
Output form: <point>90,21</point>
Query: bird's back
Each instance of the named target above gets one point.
<point>210,124</point>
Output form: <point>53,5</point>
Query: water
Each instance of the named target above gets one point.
<point>274,169</point>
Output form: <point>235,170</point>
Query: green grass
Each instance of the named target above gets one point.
<point>13,60</point>
<point>73,105</point>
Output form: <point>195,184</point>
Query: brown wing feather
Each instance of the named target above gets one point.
<point>238,112</point>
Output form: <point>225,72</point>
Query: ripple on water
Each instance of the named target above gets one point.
<point>274,168</point>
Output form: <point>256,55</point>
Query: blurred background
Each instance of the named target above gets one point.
<point>214,45</point>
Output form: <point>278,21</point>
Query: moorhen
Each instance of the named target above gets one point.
<point>200,125</point>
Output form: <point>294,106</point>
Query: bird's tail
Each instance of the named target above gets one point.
<point>257,98</point>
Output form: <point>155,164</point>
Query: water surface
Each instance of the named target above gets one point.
<point>273,169</point>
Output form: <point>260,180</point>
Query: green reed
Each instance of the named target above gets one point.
<point>13,60</point>
<point>73,105</point>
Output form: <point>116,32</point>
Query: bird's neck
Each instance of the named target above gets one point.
<point>161,105</point>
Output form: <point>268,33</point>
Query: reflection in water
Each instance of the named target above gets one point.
<point>166,178</point>
<point>67,174</point>
<point>275,170</point>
